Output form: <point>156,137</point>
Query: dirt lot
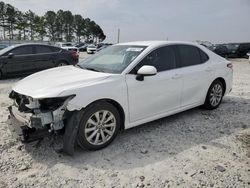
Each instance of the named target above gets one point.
<point>192,149</point>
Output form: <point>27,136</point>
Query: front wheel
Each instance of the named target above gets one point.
<point>99,125</point>
<point>214,95</point>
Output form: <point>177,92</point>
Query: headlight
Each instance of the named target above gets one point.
<point>53,103</point>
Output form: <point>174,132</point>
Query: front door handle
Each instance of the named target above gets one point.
<point>176,76</point>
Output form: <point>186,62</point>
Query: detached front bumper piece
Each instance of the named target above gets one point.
<point>18,126</point>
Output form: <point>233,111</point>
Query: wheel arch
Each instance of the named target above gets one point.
<point>117,105</point>
<point>222,80</point>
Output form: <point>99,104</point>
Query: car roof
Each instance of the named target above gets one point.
<point>156,43</point>
<point>27,44</point>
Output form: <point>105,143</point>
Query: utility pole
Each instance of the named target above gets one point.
<point>118,37</point>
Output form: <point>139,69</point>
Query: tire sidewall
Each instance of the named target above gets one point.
<point>89,111</point>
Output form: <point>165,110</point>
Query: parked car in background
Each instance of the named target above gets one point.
<point>232,50</point>
<point>2,46</point>
<point>82,47</point>
<point>66,46</point>
<point>91,49</point>
<point>154,79</point>
<point>238,50</point>
<point>220,49</point>
<point>243,49</point>
<point>28,58</point>
<point>248,54</point>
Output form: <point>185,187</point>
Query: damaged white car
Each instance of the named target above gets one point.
<point>122,86</point>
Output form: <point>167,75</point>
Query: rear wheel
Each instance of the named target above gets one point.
<point>1,75</point>
<point>99,126</point>
<point>61,63</point>
<point>214,95</point>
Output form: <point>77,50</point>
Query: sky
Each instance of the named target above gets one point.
<point>189,20</point>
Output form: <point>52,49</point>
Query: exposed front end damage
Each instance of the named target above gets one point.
<point>32,119</point>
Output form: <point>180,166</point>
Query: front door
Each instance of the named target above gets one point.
<point>21,61</point>
<point>156,94</point>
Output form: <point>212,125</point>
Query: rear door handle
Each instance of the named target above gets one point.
<point>176,76</point>
<point>208,69</point>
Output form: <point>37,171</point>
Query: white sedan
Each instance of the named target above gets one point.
<point>120,87</point>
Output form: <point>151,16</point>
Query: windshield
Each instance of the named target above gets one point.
<point>3,51</point>
<point>91,46</point>
<point>113,59</point>
<point>66,44</point>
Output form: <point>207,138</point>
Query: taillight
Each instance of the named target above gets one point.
<point>230,65</point>
<point>74,54</point>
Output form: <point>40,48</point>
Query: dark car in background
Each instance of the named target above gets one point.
<point>220,49</point>
<point>243,49</point>
<point>24,59</point>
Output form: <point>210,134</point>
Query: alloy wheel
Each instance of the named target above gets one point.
<point>216,94</point>
<point>100,127</point>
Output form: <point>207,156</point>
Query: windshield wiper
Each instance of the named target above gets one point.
<point>92,69</point>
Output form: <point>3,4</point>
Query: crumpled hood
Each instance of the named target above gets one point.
<point>52,82</point>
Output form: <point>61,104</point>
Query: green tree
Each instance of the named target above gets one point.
<point>3,17</point>
<point>30,19</point>
<point>79,26</point>
<point>11,14</point>
<point>68,20</point>
<point>39,27</point>
<point>50,22</point>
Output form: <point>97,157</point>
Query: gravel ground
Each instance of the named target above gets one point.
<point>192,149</point>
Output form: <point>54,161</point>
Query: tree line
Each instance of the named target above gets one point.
<point>56,26</point>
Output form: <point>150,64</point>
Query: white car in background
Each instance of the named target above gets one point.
<point>91,49</point>
<point>120,87</point>
<point>67,46</point>
<point>248,54</point>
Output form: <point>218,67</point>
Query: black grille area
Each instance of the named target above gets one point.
<point>21,101</point>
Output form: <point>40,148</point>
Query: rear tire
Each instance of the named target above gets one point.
<point>99,125</point>
<point>61,63</point>
<point>214,95</point>
<point>1,75</point>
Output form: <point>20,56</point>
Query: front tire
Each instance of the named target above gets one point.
<point>214,95</point>
<point>99,125</point>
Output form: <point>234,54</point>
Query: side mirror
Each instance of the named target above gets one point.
<point>145,70</point>
<point>10,55</point>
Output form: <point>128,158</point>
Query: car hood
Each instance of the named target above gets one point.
<point>53,82</point>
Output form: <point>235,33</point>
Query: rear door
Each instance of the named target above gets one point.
<point>197,74</point>
<point>44,57</point>
<point>22,60</point>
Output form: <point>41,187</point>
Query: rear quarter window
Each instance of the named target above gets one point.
<point>191,55</point>
<point>204,56</point>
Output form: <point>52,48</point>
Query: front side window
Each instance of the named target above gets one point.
<point>189,55</point>
<point>22,50</point>
<point>162,59</point>
<point>113,59</point>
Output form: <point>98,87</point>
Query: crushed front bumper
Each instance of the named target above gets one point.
<point>20,127</point>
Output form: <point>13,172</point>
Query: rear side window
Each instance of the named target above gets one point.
<point>55,49</point>
<point>22,50</point>
<point>189,55</point>
<point>43,49</point>
<point>204,56</point>
<point>162,59</point>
